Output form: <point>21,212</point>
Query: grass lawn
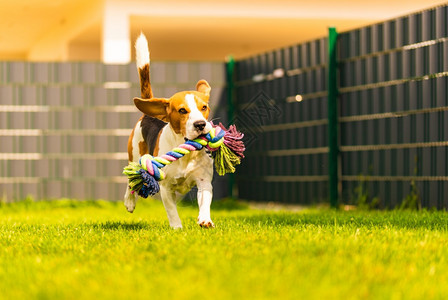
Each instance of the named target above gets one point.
<point>97,250</point>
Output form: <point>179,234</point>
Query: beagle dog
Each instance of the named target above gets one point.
<point>166,124</point>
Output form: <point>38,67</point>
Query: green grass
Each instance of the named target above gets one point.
<point>96,250</point>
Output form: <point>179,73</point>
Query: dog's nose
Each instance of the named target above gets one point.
<point>199,125</point>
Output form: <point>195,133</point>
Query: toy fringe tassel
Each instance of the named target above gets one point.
<point>227,150</point>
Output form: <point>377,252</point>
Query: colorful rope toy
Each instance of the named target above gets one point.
<point>227,150</point>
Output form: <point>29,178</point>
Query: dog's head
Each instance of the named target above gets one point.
<point>187,112</point>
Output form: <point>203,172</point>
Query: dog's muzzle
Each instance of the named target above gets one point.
<point>199,125</point>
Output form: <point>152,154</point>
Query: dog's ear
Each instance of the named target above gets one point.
<point>154,107</point>
<point>203,87</point>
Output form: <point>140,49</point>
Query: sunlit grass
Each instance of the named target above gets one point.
<point>97,250</point>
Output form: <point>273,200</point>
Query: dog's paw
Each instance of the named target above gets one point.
<point>205,223</point>
<point>130,208</point>
<point>130,200</point>
<point>130,205</point>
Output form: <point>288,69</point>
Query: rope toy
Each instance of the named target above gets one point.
<point>226,146</point>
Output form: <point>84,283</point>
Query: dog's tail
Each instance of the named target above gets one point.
<point>142,57</point>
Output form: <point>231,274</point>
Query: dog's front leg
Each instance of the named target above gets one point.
<point>169,201</point>
<point>205,195</point>
<point>130,199</point>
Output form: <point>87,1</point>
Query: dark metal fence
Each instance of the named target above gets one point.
<point>287,151</point>
<point>392,112</point>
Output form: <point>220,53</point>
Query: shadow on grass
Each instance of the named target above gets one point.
<point>120,225</point>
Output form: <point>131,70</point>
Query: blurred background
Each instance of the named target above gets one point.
<point>67,78</point>
<point>95,30</point>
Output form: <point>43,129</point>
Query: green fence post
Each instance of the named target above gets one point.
<point>332,87</point>
<point>230,69</point>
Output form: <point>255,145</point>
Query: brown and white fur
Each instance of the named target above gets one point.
<point>166,124</point>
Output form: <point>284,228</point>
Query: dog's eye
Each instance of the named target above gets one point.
<point>183,111</point>
<point>204,107</point>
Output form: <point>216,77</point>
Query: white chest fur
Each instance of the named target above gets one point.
<point>187,171</point>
